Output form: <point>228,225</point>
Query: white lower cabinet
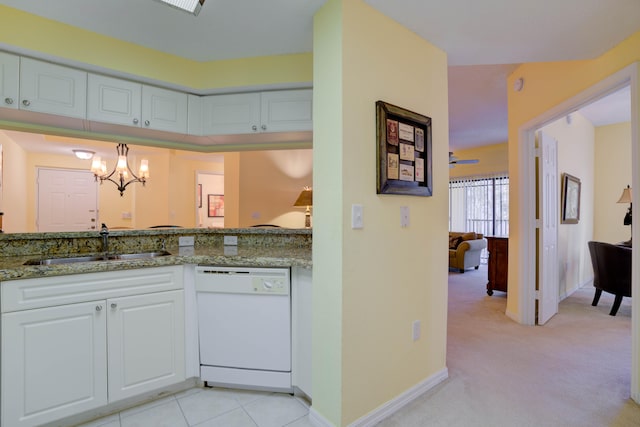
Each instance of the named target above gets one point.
<point>62,360</point>
<point>54,363</point>
<point>146,343</point>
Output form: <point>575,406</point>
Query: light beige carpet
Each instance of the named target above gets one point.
<point>574,371</point>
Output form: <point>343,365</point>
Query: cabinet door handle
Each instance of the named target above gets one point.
<point>254,128</point>
<point>264,127</point>
<point>98,308</point>
<point>135,121</point>
<point>26,102</point>
<point>147,122</point>
<point>8,101</point>
<point>114,305</point>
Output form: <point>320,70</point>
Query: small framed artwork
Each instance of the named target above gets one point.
<point>216,205</point>
<point>199,195</point>
<point>403,151</point>
<point>570,199</point>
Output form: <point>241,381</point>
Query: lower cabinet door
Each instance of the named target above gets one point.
<point>53,363</point>
<point>146,343</point>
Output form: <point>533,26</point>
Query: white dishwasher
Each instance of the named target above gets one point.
<point>244,327</point>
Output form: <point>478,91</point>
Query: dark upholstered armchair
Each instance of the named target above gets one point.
<point>612,272</point>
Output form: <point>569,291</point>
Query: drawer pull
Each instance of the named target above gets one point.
<point>98,308</point>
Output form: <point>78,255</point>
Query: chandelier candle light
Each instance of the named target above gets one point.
<point>120,174</point>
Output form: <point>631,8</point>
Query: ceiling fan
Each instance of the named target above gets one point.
<point>453,160</point>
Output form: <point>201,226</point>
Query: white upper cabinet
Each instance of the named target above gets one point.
<point>52,89</point>
<point>112,100</point>
<point>164,109</point>
<point>275,111</point>
<point>123,102</point>
<point>286,110</point>
<point>231,114</point>
<point>9,80</point>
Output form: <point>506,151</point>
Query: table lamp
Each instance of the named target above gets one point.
<point>626,197</point>
<point>306,199</point>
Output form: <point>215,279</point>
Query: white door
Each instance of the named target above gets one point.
<point>67,200</point>
<point>53,89</point>
<point>54,363</point>
<point>146,343</point>
<point>548,279</point>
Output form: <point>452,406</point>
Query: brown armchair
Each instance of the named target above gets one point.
<point>612,272</point>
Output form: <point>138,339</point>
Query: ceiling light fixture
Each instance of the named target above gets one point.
<point>121,170</point>
<point>191,6</point>
<point>83,154</point>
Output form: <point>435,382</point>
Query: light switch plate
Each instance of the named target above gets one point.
<point>404,216</point>
<point>357,220</point>
<point>186,241</point>
<point>231,240</point>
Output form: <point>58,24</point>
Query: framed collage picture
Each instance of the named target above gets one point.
<point>403,151</point>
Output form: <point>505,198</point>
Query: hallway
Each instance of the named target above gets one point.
<point>574,371</point>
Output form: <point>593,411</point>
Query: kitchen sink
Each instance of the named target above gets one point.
<point>140,255</point>
<point>90,258</point>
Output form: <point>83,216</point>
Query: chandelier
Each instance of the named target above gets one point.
<point>122,171</point>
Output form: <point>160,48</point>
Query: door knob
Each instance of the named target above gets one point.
<point>26,102</point>
<point>8,101</point>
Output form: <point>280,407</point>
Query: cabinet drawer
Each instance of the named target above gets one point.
<point>52,291</point>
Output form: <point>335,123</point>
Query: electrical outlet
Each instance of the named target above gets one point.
<point>231,240</point>
<point>186,241</point>
<point>415,330</point>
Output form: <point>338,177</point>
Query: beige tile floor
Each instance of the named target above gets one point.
<point>214,407</point>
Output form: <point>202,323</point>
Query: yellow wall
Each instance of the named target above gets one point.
<point>379,279</point>
<point>14,185</point>
<point>612,175</point>
<point>270,182</point>
<point>86,47</point>
<point>547,85</point>
<point>493,159</point>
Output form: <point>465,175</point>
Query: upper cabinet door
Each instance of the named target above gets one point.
<point>112,100</point>
<point>231,114</point>
<point>9,80</point>
<point>52,89</point>
<point>287,111</point>
<point>164,109</point>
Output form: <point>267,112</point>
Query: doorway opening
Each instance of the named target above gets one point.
<point>527,251</point>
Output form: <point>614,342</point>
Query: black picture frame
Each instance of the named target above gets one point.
<point>570,199</point>
<point>400,132</point>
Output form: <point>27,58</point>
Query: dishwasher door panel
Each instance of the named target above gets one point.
<point>245,331</point>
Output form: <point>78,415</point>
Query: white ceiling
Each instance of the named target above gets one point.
<point>484,40</point>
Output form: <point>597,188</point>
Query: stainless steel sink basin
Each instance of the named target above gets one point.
<point>89,258</point>
<point>140,255</point>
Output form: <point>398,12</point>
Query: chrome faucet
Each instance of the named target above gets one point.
<point>104,232</point>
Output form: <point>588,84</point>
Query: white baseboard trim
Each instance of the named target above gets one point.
<point>576,288</point>
<point>511,315</point>
<point>389,408</point>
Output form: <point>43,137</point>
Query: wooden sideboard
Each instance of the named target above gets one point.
<point>498,248</point>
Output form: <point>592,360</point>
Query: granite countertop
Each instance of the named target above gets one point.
<point>12,267</point>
